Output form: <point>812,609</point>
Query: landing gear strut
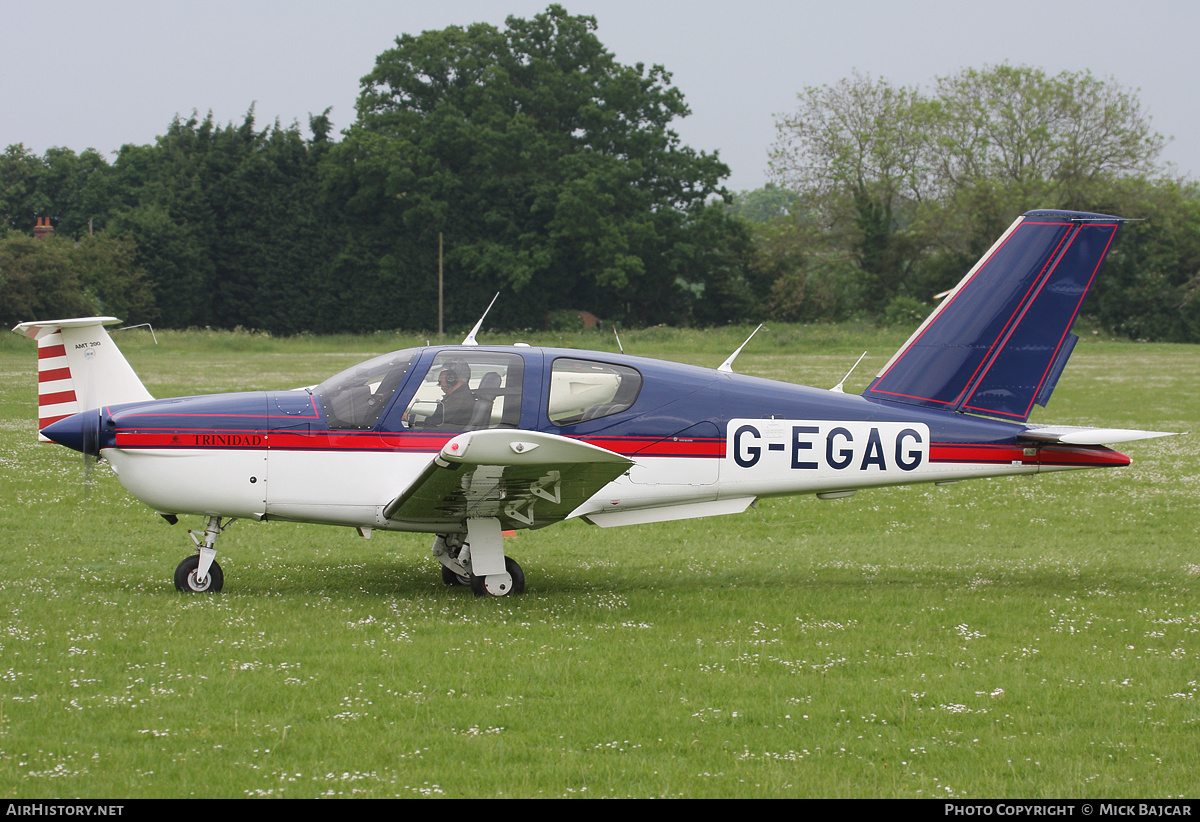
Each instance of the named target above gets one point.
<point>200,572</point>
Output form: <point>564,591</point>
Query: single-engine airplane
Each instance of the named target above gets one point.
<point>465,442</point>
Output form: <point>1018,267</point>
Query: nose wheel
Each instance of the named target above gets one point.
<point>188,580</point>
<point>199,573</point>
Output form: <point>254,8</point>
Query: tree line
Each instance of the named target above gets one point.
<point>550,171</point>
<point>884,196</point>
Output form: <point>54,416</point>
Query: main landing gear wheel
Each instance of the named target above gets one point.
<point>185,577</point>
<point>451,578</point>
<point>499,586</point>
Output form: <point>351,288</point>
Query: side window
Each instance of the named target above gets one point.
<point>582,390</point>
<point>467,391</point>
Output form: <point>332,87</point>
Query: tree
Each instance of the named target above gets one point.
<point>1010,138</point>
<point>70,189</point>
<point>764,205</point>
<point>58,277</point>
<point>858,152</point>
<point>550,169</point>
<point>111,279</point>
<point>228,222</point>
<point>37,280</point>
<point>1150,286</point>
<point>915,187</point>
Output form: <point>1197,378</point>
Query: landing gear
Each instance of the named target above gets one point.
<point>511,582</point>
<point>477,559</point>
<point>200,572</point>
<point>454,554</point>
<point>186,579</point>
<point>451,578</point>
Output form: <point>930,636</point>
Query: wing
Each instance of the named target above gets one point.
<point>525,479</point>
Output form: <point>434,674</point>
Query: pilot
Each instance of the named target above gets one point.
<point>458,404</point>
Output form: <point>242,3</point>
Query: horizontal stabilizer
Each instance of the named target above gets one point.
<point>998,343</point>
<point>1080,435</point>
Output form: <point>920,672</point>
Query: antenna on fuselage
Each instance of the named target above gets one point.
<point>727,366</point>
<point>470,340</point>
<point>141,325</point>
<point>620,347</point>
<point>838,388</point>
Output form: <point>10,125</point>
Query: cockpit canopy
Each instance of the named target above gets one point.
<point>471,389</point>
<point>357,396</point>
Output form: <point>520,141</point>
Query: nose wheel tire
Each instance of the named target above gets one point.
<point>185,577</point>
<point>500,585</point>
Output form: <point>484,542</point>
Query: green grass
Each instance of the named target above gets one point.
<point>1033,637</point>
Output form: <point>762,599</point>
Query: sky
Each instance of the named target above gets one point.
<point>102,74</point>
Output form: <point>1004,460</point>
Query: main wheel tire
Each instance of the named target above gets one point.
<point>451,578</point>
<point>514,571</point>
<point>185,577</point>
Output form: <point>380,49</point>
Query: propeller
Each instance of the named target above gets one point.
<point>90,446</point>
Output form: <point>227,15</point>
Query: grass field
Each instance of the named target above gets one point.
<point>1034,637</point>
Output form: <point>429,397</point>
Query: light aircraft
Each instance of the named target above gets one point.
<point>465,442</point>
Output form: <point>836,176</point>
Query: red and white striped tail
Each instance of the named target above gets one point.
<point>56,391</point>
<point>79,368</point>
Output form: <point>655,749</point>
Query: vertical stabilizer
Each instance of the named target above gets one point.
<point>79,368</point>
<point>998,343</point>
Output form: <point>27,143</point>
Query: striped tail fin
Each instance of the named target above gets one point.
<point>999,341</point>
<point>79,368</point>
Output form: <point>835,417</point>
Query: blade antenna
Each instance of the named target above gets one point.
<point>141,325</point>
<point>620,347</point>
<point>838,388</point>
<point>727,366</point>
<point>470,340</point>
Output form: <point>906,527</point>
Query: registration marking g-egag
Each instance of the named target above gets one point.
<point>825,447</point>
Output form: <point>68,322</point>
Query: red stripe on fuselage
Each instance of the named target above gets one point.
<point>1066,455</point>
<point>48,351</point>
<point>970,452</point>
<point>1083,457</point>
<point>658,447</point>
<point>224,439</point>
<point>373,441</point>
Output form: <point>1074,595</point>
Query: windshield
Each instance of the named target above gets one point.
<point>357,396</point>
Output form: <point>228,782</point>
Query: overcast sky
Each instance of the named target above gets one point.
<point>101,74</point>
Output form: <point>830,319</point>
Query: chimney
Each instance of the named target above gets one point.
<point>43,229</point>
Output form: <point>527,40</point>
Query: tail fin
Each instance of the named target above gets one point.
<point>998,343</point>
<point>79,368</point>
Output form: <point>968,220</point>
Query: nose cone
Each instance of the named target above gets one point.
<point>79,431</point>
